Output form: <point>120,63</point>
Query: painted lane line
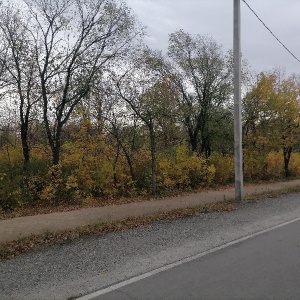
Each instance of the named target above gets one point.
<point>178,263</point>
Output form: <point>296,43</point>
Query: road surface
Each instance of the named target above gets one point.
<point>266,266</point>
<point>73,269</point>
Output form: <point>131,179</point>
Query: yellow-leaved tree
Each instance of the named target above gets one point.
<point>271,119</point>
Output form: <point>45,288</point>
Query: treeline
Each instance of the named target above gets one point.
<point>89,111</point>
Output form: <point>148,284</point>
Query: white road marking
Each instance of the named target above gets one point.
<point>178,263</point>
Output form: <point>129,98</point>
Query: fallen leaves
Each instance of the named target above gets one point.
<point>14,248</point>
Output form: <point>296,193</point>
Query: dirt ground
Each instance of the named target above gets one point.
<point>20,227</point>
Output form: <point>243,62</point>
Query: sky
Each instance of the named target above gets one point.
<point>215,18</point>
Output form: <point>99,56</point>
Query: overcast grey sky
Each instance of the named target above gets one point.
<point>215,18</point>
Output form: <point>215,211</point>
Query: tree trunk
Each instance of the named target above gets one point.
<point>25,146</point>
<point>153,159</point>
<point>194,142</point>
<point>287,151</point>
<point>205,146</point>
<point>24,119</point>
<point>115,166</point>
<point>57,146</point>
<point>193,137</point>
<point>129,162</point>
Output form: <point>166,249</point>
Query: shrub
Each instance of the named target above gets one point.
<point>181,169</point>
<point>61,187</point>
<point>10,192</point>
<point>295,164</point>
<point>224,168</point>
<point>255,166</point>
<point>275,166</point>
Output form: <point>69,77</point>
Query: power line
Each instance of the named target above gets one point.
<point>270,31</point>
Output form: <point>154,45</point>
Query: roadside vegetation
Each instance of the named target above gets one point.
<point>14,248</point>
<point>91,116</point>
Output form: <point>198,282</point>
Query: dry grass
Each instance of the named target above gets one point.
<point>15,248</point>
<point>47,208</point>
<point>41,208</point>
<point>273,194</point>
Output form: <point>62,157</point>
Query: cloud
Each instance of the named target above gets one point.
<point>215,18</point>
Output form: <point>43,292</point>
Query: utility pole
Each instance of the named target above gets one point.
<point>238,151</point>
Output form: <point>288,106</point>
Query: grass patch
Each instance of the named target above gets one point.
<point>14,248</point>
<point>273,193</point>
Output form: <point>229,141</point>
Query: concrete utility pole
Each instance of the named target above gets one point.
<point>238,151</point>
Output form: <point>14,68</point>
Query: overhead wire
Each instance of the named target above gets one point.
<point>290,52</point>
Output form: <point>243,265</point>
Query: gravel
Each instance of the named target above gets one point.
<point>71,269</point>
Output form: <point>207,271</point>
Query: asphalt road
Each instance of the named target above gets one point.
<point>73,269</point>
<point>266,266</point>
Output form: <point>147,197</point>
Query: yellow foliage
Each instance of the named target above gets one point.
<point>254,165</point>
<point>92,161</point>
<point>47,194</point>
<point>42,152</point>
<point>50,192</point>
<point>11,154</point>
<point>224,167</point>
<point>185,169</point>
<point>2,176</point>
<point>295,164</point>
<point>275,164</point>
<point>211,174</point>
<point>272,112</point>
<point>71,182</point>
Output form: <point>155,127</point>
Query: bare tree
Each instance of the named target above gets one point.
<point>73,41</point>
<point>19,73</point>
<point>146,89</point>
